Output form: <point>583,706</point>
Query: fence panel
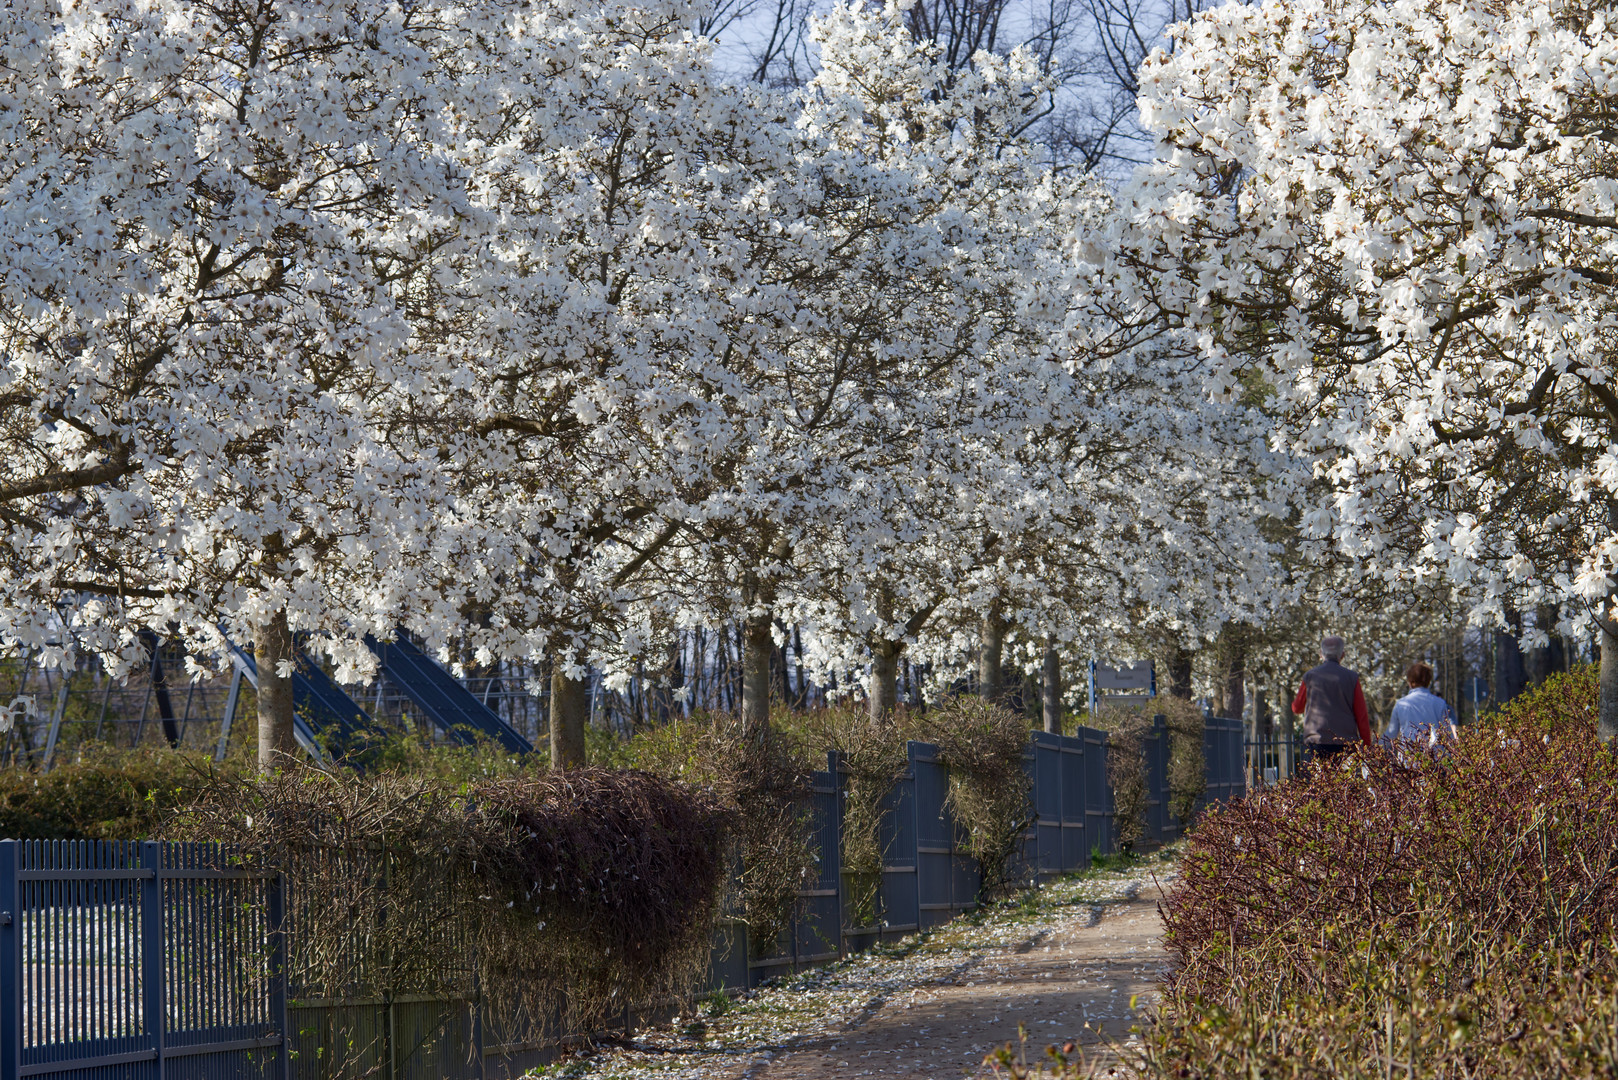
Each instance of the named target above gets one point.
<point>1272,758</point>
<point>815,933</point>
<point>1076,828</point>
<point>1156,753</point>
<point>1223,746</point>
<point>1047,798</point>
<point>947,879</point>
<point>818,931</point>
<point>898,902</point>
<point>138,961</point>
<point>1169,825</point>
<point>1098,808</point>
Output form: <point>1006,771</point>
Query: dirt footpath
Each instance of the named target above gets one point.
<point>1062,962</point>
<point>1073,982</point>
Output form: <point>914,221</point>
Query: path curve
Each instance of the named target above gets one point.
<point>1072,983</point>
<point>1072,962</point>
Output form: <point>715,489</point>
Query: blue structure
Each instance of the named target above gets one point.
<point>442,699</point>
<point>325,720</point>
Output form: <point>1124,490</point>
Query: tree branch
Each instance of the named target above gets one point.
<point>104,473</point>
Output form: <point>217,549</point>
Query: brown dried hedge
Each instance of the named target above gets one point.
<point>565,896</point>
<point>983,745</point>
<point>765,784</point>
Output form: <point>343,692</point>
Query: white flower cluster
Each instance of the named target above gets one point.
<point>1403,217</point>
<point>512,323</point>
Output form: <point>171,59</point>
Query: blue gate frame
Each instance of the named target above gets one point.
<point>139,961</point>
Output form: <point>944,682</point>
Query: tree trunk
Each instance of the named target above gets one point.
<point>1235,684</point>
<point>1289,720</point>
<point>758,645</point>
<point>570,711</point>
<point>1052,689</point>
<point>1180,673</point>
<point>882,692</point>
<point>1545,660</point>
<point>780,681</point>
<point>800,686</point>
<point>990,657</point>
<point>1607,725</point>
<point>272,647</point>
<point>1510,676</point>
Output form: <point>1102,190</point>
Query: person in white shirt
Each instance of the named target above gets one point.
<point>1421,716</point>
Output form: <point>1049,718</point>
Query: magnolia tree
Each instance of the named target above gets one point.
<point>214,219</point>
<point>772,310</point>
<point>1402,216</point>
<point>1087,487</point>
<point>517,325</point>
<point>598,308</point>
<point>694,309</point>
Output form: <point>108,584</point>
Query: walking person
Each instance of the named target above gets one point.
<point>1332,705</point>
<point>1421,717</point>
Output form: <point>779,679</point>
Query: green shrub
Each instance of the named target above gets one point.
<point>103,795</point>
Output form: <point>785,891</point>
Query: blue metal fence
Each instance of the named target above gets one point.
<point>1225,765</point>
<point>164,962</point>
<point>138,962</point>
<point>1072,806</point>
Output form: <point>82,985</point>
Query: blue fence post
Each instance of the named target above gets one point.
<point>153,992</point>
<point>278,973</point>
<point>11,923</point>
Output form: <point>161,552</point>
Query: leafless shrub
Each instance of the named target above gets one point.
<point>565,895</point>
<point>983,746</point>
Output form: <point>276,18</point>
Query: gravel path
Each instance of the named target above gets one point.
<point>1065,966</point>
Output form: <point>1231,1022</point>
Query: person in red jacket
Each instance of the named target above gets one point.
<point>1332,705</point>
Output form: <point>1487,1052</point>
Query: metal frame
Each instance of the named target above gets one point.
<point>207,980</point>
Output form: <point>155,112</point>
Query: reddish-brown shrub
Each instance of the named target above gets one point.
<point>1448,915</point>
<point>1514,834</point>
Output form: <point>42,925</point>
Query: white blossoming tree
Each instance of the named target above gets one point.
<point>214,218</point>
<point>1404,217</point>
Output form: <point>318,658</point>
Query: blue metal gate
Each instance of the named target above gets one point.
<point>139,961</point>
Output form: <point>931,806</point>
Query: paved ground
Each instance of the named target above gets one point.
<point>1064,966</point>
<point>1074,983</point>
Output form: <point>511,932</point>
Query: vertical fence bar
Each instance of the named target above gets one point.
<point>153,990</point>
<point>276,888</point>
<point>478,1066</point>
<point>11,949</point>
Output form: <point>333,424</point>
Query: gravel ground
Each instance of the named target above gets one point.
<point>1069,963</point>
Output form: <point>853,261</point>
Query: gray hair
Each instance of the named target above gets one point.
<point>1332,647</point>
